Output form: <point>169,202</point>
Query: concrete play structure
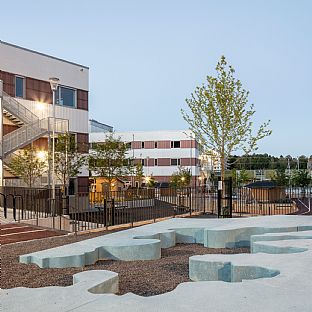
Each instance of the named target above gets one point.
<point>276,276</point>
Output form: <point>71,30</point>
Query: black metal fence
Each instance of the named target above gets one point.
<point>20,203</point>
<point>87,211</point>
<point>134,205</point>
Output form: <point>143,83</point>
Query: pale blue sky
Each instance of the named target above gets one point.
<point>146,57</point>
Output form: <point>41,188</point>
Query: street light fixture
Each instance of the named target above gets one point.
<point>54,82</point>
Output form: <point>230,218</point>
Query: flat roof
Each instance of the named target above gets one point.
<point>42,54</point>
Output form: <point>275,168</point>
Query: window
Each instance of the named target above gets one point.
<point>142,144</point>
<point>66,97</point>
<point>175,161</point>
<point>156,145</point>
<point>128,145</point>
<point>71,186</point>
<point>142,162</point>
<point>19,86</point>
<point>155,162</point>
<point>175,144</point>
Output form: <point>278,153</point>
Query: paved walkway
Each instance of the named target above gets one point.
<point>18,232</point>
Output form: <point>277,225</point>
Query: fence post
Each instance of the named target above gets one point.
<point>113,211</point>
<point>4,206</point>
<point>230,195</point>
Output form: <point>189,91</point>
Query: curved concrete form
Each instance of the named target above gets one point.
<point>233,268</point>
<point>145,243</point>
<point>273,281</point>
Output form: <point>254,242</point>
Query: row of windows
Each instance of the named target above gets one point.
<point>174,144</point>
<point>173,162</point>
<point>64,96</point>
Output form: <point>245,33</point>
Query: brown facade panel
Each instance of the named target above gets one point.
<point>82,99</point>
<point>9,128</point>
<point>189,161</point>
<point>38,90</point>
<point>150,162</point>
<point>41,144</point>
<point>149,144</point>
<point>83,184</point>
<point>164,144</point>
<point>163,161</point>
<point>188,144</point>
<point>8,82</point>
<point>136,145</point>
<point>83,142</point>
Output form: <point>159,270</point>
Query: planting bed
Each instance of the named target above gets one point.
<point>145,278</point>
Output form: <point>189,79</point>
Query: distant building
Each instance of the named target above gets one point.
<point>161,152</point>
<point>96,126</point>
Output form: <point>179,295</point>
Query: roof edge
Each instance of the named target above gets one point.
<point>43,54</point>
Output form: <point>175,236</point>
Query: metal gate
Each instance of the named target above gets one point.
<point>225,193</point>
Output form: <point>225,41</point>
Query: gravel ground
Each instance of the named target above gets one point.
<point>145,278</point>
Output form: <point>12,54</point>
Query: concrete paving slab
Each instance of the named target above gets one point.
<point>256,282</point>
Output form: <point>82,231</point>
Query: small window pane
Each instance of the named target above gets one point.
<point>19,87</point>
<point>66,97</point>
<point>156,162</point>
<point>174,162</point>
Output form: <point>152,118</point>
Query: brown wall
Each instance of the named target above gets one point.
<point>39,90</point>
<point>41,144</point>
<point>9,128</point>
<point>83,184</point>
<point>82,99</point>
<point>164,144</point>
<point>163,161</point>
<point>8,82</point>
<point>189,161</point>
<point>83,142</point>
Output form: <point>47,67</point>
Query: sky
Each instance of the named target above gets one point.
<point>147,56</point>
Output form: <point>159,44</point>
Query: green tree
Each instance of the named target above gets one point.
<point>139,173</point>
<point>28,165</point>
<point>109,159</point>
<point>69,160</point>
<point>301,178</point>
<point>242,177</point>
<point>280,177</point>
<point>181,178</point>
<point>220,116</point>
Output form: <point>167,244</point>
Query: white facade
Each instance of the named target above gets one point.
<point>158,152</point>
<point>25,62</point>
<point>36,68</point>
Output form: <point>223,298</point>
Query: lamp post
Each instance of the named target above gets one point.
<point>54,85</point>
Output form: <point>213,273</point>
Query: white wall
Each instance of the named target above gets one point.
<point>163,135</point>
<point>78,118</point>
<point>28,63</point>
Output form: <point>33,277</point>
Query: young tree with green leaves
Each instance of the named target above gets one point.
<point>220,116</point>
<point>139,173</point>
<point>301,178</point>
<point>68,159</point>
<point>29,165</point>
<point>281,178</point>
<point>181,178</point>
<point>109,159</point>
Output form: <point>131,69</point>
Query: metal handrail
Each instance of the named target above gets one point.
<point>28,133</point>
<point>18,110</point>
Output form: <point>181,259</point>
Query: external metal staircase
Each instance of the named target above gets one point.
<point>31,127</point>
<point>17,112</point>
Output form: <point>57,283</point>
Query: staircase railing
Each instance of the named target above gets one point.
<point>28,133</point>
<point>18,110</point>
